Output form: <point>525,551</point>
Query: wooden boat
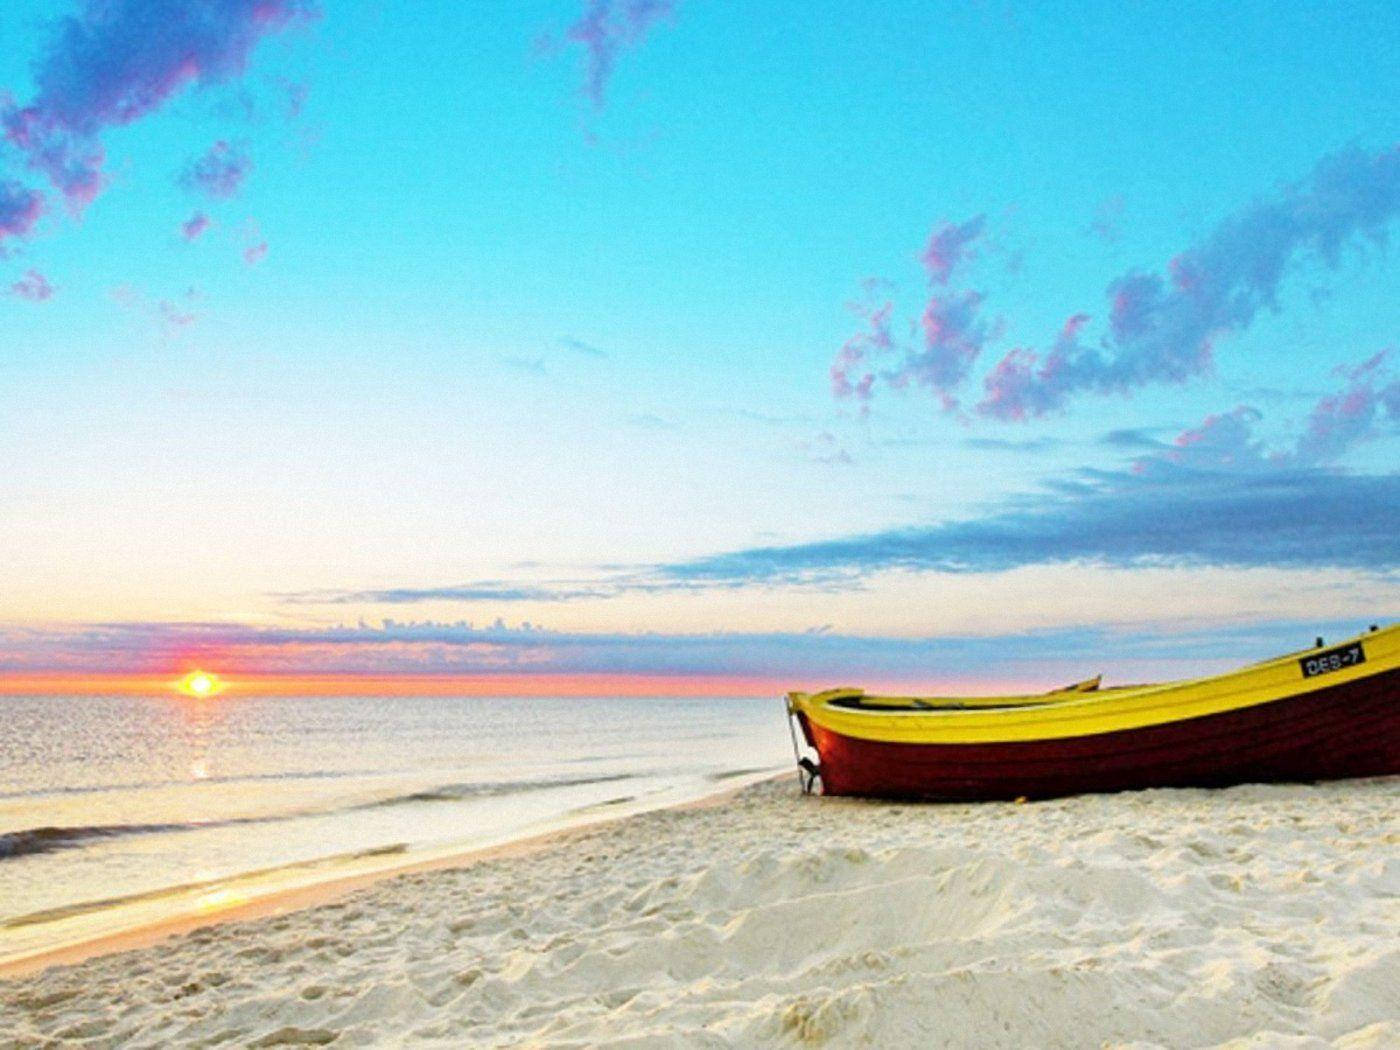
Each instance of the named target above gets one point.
<point>1318,714</point>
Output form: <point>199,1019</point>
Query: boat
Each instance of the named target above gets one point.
<point>1322,713</point>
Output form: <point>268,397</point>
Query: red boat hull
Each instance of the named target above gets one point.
<point>1350,730</point>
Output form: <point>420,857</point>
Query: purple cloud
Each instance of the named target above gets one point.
<point>176,317</point>
<point>605,30</point>
<point>949,245</point>
<point>219,172</point>
<point>193,227</point>
<point>1164,327</point>
<point>255,253</point>
<point>954,333</point>
<point>816,656</point>
<point>850,374</point>
<point>953,329</point>
<point>116,61</point>
<point>1340,421</point>
<point>33,286</point>
<point>20,209</point>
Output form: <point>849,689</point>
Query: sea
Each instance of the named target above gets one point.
<point>121,811</point>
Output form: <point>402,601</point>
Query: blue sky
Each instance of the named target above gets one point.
<point>517,351</point>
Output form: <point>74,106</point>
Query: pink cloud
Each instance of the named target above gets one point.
<point>255,253</point>
<point>33,286</point>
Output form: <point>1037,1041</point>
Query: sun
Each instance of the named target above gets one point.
<point>200,684</point>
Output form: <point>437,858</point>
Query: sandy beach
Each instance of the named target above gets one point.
<point>1258,916</point>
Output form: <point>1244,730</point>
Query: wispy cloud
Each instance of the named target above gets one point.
<point>1216,495</point>
<point>1163,328</point>
<point>116,61</point>
<point>219,171</point>
<point>33,286</point>
<point>818,657</point>
<point>578,346</point>
<point>607,29</point>
<point>477,591</point>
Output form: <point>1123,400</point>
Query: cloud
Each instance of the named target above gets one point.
<point>532,365</point>
<point>116,61</point>
<point>605,30</point>
<point>1216,495</point>
<point>851,374</point>
<point>1354,415</point>
<point>219,172</point>
<point>1041,444</point>
<point>193,227</point>
<point>578,346</point>
<point>33,286</point>
<point>177,317</point>
<point>949,245</point>
<point>1107,221</point>
<point>254,247</point>
<point>954,335</point>
<point>1288,519</point>
<point>952,328</point>
<point>478,591</point>
<point>20,209</point>
<point>798,659</point>
<point>1163,328</point>
<point>826,448</point>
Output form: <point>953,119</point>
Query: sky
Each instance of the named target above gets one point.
<point>703,348</point>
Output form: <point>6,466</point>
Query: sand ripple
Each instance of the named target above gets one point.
<point>1247,918</point>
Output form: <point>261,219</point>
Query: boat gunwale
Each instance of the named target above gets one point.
<point>1142,707</point>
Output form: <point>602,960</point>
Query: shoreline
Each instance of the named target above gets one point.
<point>299,897</point>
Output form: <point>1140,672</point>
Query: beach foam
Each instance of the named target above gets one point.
<point>1247,917</point>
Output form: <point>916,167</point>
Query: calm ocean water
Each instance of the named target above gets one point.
<point>105,800</point>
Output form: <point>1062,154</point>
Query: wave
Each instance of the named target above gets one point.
<point>231,778</point>
<point>48,839</point>
<point>28,842</point>
<point>490,789</point>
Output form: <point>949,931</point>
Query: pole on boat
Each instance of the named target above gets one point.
<point>807,770</point>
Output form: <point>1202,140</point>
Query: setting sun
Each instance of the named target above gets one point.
<point>200,684</point>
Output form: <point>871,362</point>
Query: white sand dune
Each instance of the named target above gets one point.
<point>1250,917</point>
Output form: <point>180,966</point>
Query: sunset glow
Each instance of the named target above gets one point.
<point>200,684</point>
